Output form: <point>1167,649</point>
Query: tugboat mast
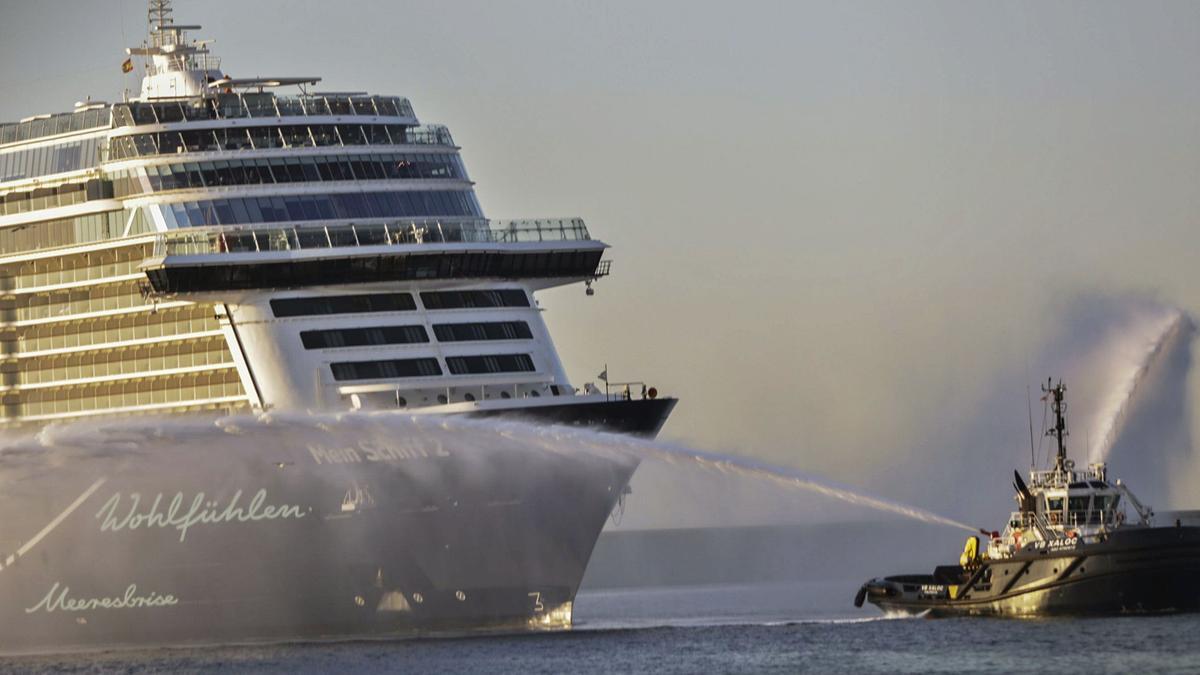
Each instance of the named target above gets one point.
<point>1059,430</point>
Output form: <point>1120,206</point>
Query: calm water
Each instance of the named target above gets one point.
<point>743,628</point>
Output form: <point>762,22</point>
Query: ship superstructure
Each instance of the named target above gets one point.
<point>213,244</point>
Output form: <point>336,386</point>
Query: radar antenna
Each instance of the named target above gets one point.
<point>1058,406</point>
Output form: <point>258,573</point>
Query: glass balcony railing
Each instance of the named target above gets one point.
<point>242,105</point>
<point>259,239</point>
<point>269,137</point>
<point>90,117</point>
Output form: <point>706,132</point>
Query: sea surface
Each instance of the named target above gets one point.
<point>723,628</point>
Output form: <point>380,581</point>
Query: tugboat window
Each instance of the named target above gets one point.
<point>1077,508</point>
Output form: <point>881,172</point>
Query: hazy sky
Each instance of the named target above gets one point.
<point>834,224</point>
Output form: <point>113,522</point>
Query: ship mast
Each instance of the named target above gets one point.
<point>1059,431</point>
<point>159,17</point>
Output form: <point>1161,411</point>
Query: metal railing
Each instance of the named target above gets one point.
<point>241,105</point>
<point>259,239</point>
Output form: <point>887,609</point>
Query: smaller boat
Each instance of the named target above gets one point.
<point>1077,544</point>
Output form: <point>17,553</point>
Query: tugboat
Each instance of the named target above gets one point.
<point>1077,544</point>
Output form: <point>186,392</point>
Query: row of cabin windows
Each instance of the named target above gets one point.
<point>283,136</point>
<point>162,323</point>
<point>49,159</point>
<point>269,171</point>
<point>127,361</point>
<point>397,302</point>
<point>489,330</point>
<point>506,297</point>
<point>429,367</point>
<point>336,206</point>
<point>188,389</point>
<point>391,368</point>
<point>492,363</point>
<point>72,231</point>
<point>414,334</point>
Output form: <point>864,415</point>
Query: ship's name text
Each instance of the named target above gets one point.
<point>368,451</point>
<point>115,516</point>
<point>59,599</point>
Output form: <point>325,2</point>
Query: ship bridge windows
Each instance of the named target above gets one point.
<point>343,304</point>
<point>490,330</point>
<point>385,369</point>
<point>506,297</point>
<point>489,364</point>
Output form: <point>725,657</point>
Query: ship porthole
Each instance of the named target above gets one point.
<point>401,402</point>
<point>460,596</point>
<point>468,397</point>
<point>442,399</point>
<point>1082,570</point>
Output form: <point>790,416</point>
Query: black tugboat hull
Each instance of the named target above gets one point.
<point>1139,570</point>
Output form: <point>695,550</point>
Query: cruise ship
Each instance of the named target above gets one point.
<point>219,246</point>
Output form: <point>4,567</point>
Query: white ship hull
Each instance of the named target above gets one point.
<point>259,532</point>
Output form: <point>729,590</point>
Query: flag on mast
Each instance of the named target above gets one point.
<point>603,374</point>
<point>127,66</point>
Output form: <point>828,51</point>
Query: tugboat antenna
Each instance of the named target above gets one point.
<point>1029,405</point>
<point>1059,430</point>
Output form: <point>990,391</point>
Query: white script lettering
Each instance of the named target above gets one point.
<point>60,600</point>
<point>201,511</point>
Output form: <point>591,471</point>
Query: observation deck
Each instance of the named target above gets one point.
<point>291,256</point>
